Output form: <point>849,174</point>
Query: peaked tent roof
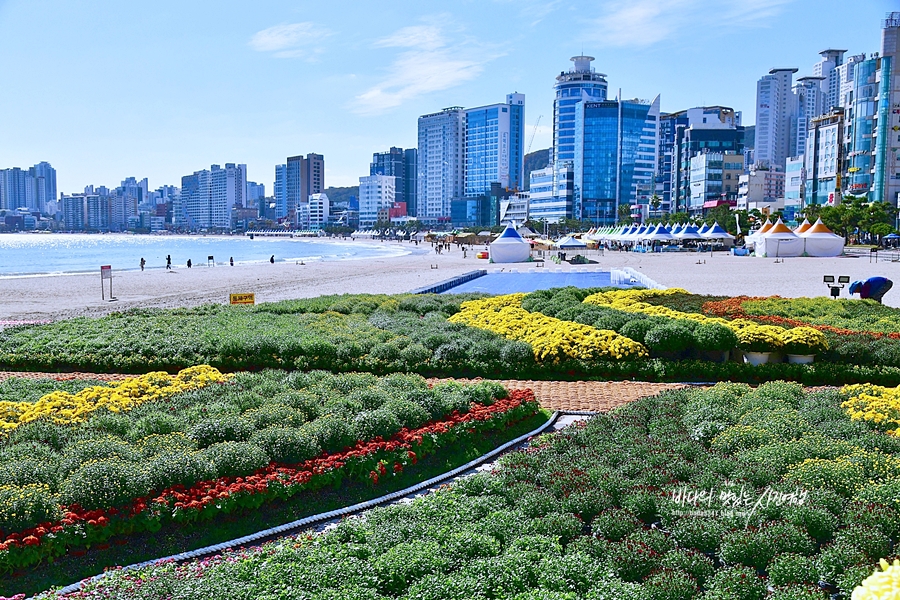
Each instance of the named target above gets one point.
<point>803,226</point>
<point>779,228</point>
<point>717,232</point>
<point>703,229</point>
<point>509,232</point>
<point>818,228</point>
<point>765,228</point>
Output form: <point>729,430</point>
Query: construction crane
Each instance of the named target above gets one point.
<point>533,133</point>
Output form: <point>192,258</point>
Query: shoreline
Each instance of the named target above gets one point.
<point>53,297</point>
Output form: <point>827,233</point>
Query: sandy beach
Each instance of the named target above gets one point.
<point>64,296</point>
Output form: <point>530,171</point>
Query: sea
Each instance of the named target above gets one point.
<point>37,254</point>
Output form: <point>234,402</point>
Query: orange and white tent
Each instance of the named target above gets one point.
<point>803,227</point>
<point>821,241</point>
<point>779,240</point>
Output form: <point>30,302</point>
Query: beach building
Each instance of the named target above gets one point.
<point>303,177</point>
<point>208,197</point>
<point>715,179</point>
<point>698,130</point>
<point>494,146</point>
<point>823,160</point>
<point>33,188</point>
<point>794,175</point>
<point>762,189</point>
<point>441,164</point>
<point>581,83</point>
<point>774,103</point>
<point>319,212</point>
<point>552,193</point>
<point>280,192</point>
<point>400,163</point>
<point>616,151</point>
<point>376,193</point>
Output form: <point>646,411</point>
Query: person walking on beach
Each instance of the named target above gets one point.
<point>189,263</point>
<point>231,260</point>
<point>143,262</point>
<point>169,262</point>
<point>272,259</point>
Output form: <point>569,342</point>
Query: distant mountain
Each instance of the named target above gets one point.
<point>750,136</point>
<point>341,194</point>
<point>533,162</point>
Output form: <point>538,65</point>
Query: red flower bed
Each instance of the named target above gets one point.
<point>367,460</point>
<point>733,308</point>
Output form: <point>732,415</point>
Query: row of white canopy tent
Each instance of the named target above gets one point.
<point>777,240</point>
<point>661,233</point>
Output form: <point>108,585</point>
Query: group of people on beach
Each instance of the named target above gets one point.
<point>143,262</point>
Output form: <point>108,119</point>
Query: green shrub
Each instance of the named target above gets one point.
<point>792,568</point>
<point>741,437</point>
<point>331,433</point>
<point>713,337</point>
<point>26,506</point>
<point>701,534</point>
<point>865,538</point>
<point>154,423</point>
<point>615,524</point>
<point>837,557</point>
<point>229,428</point>
<point>105,484</point>
<point>287,445</point>
<point>798,592</point>
<point>234,459</point>
<point>370,424</point>
<point>698,566</point>
<point>669,584</point>
<point>408,414</point>
<point>672,337</point>
<point>177,467</point>
<point>735,583</point>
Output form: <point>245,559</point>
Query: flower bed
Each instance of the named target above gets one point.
<point>552,339</point>
<point>688,494</point>
<point>99,484</point>
<point>66,408</point>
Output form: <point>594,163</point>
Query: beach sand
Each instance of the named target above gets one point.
<point>58,297</point>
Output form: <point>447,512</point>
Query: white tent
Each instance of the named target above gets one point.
<point>716,232</point>
<point>510,247</point>
<point>689,232</point>
<point>660,234</point>
<point>802,227</point>
<point>570,243</point>
<point>820,241</point>
<point>779,241</point>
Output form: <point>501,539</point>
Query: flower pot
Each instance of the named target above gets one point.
<point>756,358</point>
<point>800,359</point>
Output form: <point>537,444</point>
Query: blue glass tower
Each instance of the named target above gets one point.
<point>615,156</point>
<point>494,146</point>
<point>579,83</point>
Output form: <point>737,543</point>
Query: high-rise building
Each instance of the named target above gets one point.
<point>580,83</point>
<point>616,152</point>
<point>280,191</point>
<point>808,103</point>
<point>208,197</point>
<point>823,159</point>
<point>552,192</point>
<point>319,211</point>
<point>74,211</point>
<point>774,102</point>
<point>376,193</point>
<point>441,164</point>
<point>401,164</point>
<point>793,187</point>
<point>303,178</point>
<point>715,180</point>
<point>691,132</point>
<point>494,146</point>
<point>886,186</point>
<point>31,188</point>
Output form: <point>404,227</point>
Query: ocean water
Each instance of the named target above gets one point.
<point>24,254</point>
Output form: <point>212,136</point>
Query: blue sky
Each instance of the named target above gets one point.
<point>107,89</point>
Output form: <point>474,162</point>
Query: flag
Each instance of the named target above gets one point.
<point>737,221</point>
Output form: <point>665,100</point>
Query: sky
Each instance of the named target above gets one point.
<point>109,89</point>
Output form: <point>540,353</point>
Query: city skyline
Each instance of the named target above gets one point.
<point>318,79</point>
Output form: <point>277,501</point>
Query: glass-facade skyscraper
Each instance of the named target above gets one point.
<point>581,83</point>
<point>400,164</point>
<point>494,146</point>
<point>615,156</point>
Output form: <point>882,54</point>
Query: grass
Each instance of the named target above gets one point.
<point>173,539</point>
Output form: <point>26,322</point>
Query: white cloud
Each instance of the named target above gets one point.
<point>292,40</point>
<point>428,64</point>
<point>648,22</point>
<point>426,37</point>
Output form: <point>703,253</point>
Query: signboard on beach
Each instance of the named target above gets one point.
<point>106,272</point>
<point>242,298</point>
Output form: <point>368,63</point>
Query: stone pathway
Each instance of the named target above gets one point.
<point>587,396</point>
